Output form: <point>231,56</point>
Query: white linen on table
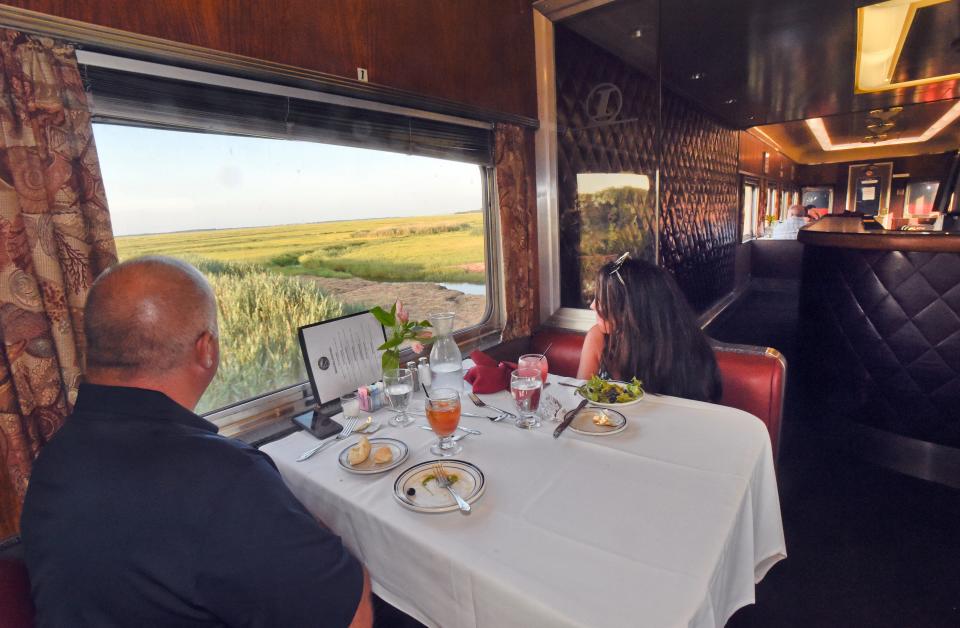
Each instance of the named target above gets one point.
<point>669,523</point>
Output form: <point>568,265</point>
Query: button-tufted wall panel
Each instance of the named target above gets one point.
<point>881,329</point>
<point>699,183</point>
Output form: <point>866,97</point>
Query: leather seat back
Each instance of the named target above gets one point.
<point>754,378</point>
<point>16,607</point>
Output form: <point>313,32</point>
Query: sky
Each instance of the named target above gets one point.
<point>161,181</point>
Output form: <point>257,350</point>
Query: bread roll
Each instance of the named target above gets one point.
<point>359,452</point>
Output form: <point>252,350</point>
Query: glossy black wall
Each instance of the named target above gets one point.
<point>697,224</point>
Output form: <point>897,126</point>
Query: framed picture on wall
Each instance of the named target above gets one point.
<point>868,188</point>
<point>821,197</point>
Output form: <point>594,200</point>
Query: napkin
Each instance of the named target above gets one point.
<point>487,375</point>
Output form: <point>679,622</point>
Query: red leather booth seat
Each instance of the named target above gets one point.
<point>754,378</point>
<point>16,608</point>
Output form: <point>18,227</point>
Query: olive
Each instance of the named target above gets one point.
<point>411,491</point>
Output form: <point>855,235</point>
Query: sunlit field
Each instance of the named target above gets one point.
<point>262,301</point>
<point>421,248</point>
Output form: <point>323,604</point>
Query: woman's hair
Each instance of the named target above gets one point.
<point>652,333</point>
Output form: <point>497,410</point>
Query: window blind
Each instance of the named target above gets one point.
<point>122,97</point>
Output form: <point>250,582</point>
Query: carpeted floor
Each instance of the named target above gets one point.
<point>866,547</point>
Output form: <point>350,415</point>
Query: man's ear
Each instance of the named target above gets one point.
<point>207,351</point>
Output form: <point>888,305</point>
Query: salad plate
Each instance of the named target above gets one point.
<point>417,487</point>
<point>611,393</point>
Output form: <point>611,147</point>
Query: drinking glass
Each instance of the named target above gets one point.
<point>525,386</point>
<point>398,384</point>
<point>534,361</point>
<point>350,403</point>
<point>443,413</point>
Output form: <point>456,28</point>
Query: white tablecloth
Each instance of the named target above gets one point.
<point>669,523</point>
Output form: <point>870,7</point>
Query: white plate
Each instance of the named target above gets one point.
<point>583,423</point>
<point>430,498</point>
<point>604,404</point>
<point>368,466</point>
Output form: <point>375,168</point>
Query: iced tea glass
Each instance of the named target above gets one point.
<point>443,414</point>
<point>535,361</point>
<point>525,386</point>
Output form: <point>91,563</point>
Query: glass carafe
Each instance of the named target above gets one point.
<point>446,363</point>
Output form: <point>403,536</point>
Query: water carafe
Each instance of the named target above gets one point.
<point>446,363</point>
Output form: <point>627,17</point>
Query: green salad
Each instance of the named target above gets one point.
<point>606,391</point>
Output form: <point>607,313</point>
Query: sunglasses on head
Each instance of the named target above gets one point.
<point>616,267</point>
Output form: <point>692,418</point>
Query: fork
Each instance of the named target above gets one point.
<point>480,403</point>
<point>348,428</point>
<point>444,482</point>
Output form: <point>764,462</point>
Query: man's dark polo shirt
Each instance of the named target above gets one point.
<point>139,514</point>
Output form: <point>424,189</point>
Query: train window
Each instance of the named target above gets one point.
<point>298,205</point>
<point>919,198</point>
<point>749,208</point>
<point>290,233</point>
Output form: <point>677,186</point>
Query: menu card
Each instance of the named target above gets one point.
<point>341,354</point>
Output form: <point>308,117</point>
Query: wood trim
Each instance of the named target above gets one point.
<point>98,38</point>
<point>931,241</point>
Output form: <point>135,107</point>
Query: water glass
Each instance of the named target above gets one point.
<point>525,386</point>
<point>443,414</point>
<point>535,361</point>
<point>398,385</point>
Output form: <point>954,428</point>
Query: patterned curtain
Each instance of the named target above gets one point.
<point>514,162</point>
<point>55,238</point>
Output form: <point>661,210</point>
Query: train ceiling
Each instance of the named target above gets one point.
<point>784,63</point>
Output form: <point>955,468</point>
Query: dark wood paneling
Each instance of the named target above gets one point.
<point>919,167</point>
<point>780,168</point>
<point>697,225</point>
<point>458,50</point>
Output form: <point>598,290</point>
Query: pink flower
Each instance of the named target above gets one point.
<point>402,314</point>
<point>425,335</point>
<point>417,347</point>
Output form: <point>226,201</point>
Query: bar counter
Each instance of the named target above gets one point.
<point>880,341</point>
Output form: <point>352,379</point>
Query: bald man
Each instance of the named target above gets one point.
<point>139,514</point>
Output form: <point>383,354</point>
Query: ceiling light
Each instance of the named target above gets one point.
<point>881,32</point>
<point>637,34</point>
<point>819,131</point>
<point>696,76</point>
<point>729,101</point>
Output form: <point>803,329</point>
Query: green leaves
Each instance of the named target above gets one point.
<point>387,319</point>
<point>399,333</point>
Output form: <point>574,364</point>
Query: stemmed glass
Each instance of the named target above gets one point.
<point>398,384</point>
<point>534,361</point>
<point>443,414</point>
<point>525,386</point>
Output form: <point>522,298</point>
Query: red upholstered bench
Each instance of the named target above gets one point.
<point>754,378</point>
<point>16,607</point>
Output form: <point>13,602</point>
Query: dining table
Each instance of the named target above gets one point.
<point>670,522</point>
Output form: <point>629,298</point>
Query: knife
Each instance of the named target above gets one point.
<point>568,419</point>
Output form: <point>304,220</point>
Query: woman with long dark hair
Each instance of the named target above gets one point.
<point>646,329</point>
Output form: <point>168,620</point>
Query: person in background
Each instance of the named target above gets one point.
<point>646,329</point>
<point>788,229</point>
<point>139,514</point>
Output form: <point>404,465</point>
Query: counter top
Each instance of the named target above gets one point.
<point>849,232</point>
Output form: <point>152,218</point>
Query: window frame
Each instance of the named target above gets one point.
<point>270,412</point>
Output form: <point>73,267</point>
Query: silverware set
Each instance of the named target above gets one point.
<point>466,431</point>
<point>480,403</point>
<point>353,425</point>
